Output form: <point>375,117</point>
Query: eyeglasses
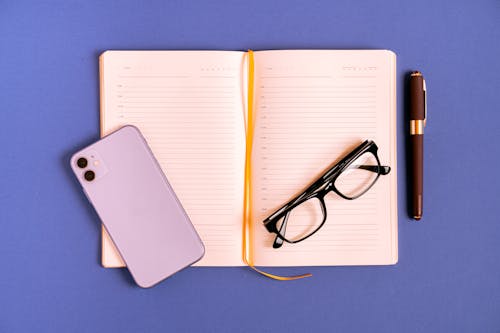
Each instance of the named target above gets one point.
<point>304,215</point>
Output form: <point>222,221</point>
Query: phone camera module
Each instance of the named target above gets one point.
<point>89,175</point>
<point>82,162</point>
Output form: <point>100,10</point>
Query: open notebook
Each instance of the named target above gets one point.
<point>310,108</point>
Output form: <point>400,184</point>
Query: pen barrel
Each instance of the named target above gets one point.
<point>417,98</point>
<point>417,149</point>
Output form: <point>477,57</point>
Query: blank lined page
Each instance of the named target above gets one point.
<point>189,106</point>
<point>311,109</point>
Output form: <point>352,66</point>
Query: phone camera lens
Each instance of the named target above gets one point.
<point>82,162</point>
<point>89,175</point>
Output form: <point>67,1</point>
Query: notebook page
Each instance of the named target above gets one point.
<point>311,109</point>
<point>190,108</point>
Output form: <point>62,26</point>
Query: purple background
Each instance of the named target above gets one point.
<point>448,275</point>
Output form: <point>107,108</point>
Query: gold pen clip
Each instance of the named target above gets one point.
<point>425,101</point>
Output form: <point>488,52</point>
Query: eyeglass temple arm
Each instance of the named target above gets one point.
<point>282,211</point>
<point>384,170</point>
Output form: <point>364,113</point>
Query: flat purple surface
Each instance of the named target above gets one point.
<point>448,275</point>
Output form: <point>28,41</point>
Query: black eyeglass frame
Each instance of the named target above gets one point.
<point>320,188</point>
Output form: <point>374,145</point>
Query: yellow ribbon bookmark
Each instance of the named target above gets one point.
<point>247,232</point>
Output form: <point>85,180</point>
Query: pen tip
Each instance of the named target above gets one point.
<point>417,217</point>
<point>416,73</point>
